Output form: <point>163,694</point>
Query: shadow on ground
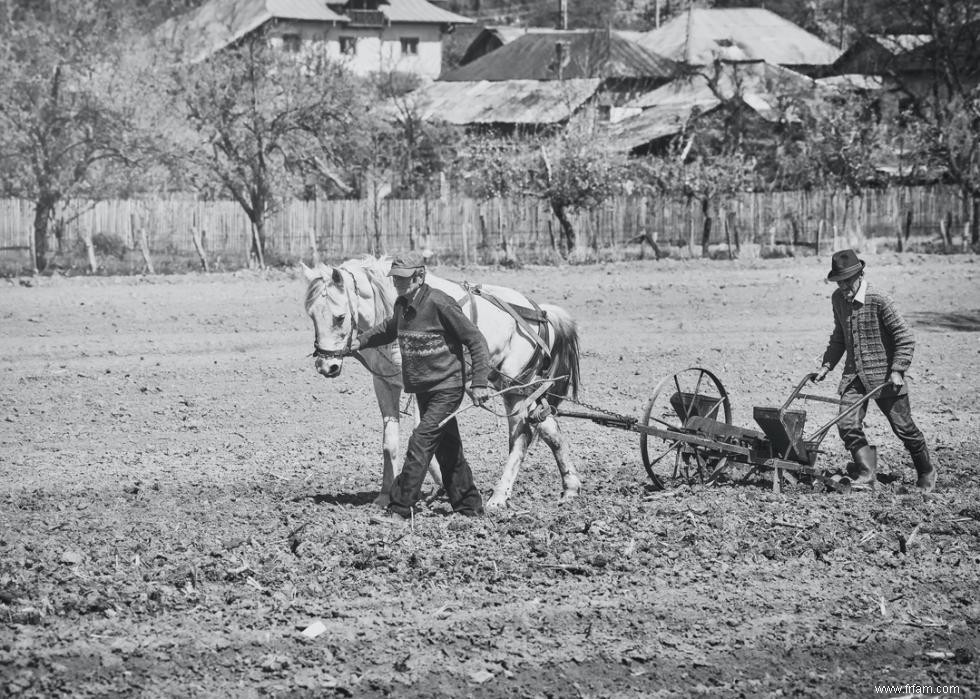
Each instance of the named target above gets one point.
<point>961,322</point>
<point>356,499</point>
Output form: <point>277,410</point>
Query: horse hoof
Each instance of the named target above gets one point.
<point>494,503</point>
<point>382,500</point>
<point>568,494</point>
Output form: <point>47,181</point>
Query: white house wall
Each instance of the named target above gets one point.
<point>376,49</point>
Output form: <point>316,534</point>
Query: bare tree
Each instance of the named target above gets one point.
<point>257,124</point>
<point>62,116</point>
<point>575,169</point>
<point>940,85</point>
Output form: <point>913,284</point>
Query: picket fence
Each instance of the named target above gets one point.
<point>467,230</point>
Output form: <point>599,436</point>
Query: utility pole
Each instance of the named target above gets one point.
<point>657,14</point>
<point>563,14</point>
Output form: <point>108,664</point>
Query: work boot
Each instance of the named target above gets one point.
<point>865,464</point>
<point>925,470</point>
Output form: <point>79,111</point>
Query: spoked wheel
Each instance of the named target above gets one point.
<point>688,393</point>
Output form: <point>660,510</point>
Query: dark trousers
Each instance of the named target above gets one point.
<point>428,440</point>
<point>896,408</point>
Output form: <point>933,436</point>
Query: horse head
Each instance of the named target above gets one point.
<point>331,301</point>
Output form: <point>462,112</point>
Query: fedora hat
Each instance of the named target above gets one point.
<point>406,265</point>
<point>844,265</point>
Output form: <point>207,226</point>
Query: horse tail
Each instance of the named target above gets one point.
<point>564,354</point>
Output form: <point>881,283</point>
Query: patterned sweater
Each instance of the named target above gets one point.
<point>875,337</point>
<point>431,331</point>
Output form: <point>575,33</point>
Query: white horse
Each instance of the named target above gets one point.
<point>533,351</point>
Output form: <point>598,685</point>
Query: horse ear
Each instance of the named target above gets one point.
<point>337,277</point>
<point>307,272</point>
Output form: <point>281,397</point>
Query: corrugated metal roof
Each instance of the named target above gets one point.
<point>507,34</point>
<point>656,123</point>
<point>503,102</point>
<point>592,54</point>
<point>731,80</point>
<point>694,37</point>
<point>420,11</point>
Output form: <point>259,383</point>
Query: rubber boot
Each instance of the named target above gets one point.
<point>865,464</point>
<point>925,470</point>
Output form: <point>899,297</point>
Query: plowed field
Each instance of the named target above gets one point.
<point>182,495</point>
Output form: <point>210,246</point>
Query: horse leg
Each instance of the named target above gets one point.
<point>388,396</point>
<point>550,432</point>
<point>520,439</point>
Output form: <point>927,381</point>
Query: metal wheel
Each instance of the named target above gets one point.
<point>691,392</point>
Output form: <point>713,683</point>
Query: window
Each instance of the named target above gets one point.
<point>348,45</point>
<point>291,42</point>
<point>410,46</point>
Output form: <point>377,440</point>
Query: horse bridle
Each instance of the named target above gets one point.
<point>346,351</point>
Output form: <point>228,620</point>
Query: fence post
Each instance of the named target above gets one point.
<point>315,252</point>
<point>93,263</point>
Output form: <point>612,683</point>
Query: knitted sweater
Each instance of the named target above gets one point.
<point>431,331</point>
<point>875,337</point>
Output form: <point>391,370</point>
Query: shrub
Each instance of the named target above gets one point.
<point>109,245</point>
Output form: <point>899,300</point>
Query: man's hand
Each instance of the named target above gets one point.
<point>896,378</point>
<point>822,374</point>
<point>480,395</point>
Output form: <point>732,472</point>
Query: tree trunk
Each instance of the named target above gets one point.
<point>43,208</point>
<point>145,251</point>
<point>258,242</point>
<point>567,232</point>
<point>726,218</point>
<point>975,222</point>
<point>706,231</point>
<point>198,238</point>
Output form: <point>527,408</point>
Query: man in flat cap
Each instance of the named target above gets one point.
<point>431,330</point>
<point>877,344</point>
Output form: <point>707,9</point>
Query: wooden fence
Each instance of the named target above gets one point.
<point>467,230</point>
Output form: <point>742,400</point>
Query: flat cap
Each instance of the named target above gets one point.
<point>406,265</point>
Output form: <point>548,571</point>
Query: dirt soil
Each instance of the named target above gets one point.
<point>182,496</point>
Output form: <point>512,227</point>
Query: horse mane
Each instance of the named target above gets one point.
<point>376,271</point>
<point>313,292</point>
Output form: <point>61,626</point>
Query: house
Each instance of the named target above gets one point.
<point>760,89</point>
<point>695,37</point>
<point>367,35</point>
<point>623,68</point>
<point>912,66</point>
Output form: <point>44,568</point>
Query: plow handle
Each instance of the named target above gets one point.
<point>796,391</point>
<point>822,432</point>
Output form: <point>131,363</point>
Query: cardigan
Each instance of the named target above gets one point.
<point>875,337</point>
<point>431,331</point>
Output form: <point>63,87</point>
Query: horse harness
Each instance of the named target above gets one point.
<point>540,363</point>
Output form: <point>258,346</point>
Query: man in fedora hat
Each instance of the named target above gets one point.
<point>431,330</point>
<point>877,344</point>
